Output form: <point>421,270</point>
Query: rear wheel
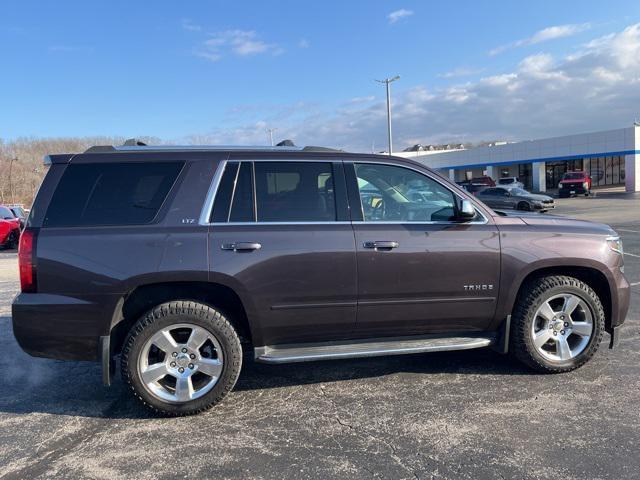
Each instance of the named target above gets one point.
<point>558,324</point>
<point>181,358</point>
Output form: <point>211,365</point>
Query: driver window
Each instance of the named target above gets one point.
<point>395,194</point>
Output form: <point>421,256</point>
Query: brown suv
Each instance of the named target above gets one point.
<point>179,259</point>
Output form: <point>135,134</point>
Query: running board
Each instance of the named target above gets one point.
<point>366,348</point>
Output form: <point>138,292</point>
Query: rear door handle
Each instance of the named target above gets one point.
<point>381,245</point>
<point>242,246</point>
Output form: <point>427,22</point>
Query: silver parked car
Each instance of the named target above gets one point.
<point>515,199</point>
<point>510,182</point>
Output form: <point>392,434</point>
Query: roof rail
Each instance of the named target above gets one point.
<point>169,148</point>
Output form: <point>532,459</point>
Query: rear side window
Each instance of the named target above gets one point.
<point>111,193</point>
<point>295,192</point>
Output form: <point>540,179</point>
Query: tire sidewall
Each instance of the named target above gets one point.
<point>596,335</point>
<point>170,314</point>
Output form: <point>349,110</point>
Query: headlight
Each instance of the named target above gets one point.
<point>585,185</point>
<point>615,244</point>
<point>559,186</point>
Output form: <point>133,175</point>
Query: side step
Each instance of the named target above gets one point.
<point>306,352</point>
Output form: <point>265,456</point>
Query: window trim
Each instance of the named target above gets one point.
<point>347,165</point>
<point>457,196</point>
<point>337,168</point>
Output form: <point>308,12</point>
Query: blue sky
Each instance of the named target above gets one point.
<point>224,71</point>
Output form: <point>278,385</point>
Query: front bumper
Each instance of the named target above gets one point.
<point>572,189</point>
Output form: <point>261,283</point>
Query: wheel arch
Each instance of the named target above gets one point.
<point>593,277</point>
<point>142,298</point>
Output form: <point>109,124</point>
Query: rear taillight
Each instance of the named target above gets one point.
<point>26,260</point>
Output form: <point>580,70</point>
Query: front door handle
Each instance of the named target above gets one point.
<point>242,246</point>
<point>381,245</point>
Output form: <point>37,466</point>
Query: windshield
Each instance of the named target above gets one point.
<point>573,176</point>
<point>504,181</point>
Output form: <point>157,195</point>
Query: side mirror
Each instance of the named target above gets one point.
<point>466,212</point>
<point>507,194</point>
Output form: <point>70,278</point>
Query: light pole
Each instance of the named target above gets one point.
<point>271,130</point>
<point>387,82</point>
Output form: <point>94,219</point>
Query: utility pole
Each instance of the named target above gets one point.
<point>387,82</point>
<point>270,131</point>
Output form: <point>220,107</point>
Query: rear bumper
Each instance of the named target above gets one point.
<point>56,326</point>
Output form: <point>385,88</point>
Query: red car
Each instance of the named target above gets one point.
<point>9,228</point>
<point>574,183</point>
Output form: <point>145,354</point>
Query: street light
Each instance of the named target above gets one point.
<point>387,82</point>
<point>270,131</point>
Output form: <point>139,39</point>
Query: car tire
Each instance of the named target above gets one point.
<point>524,206</point>
<point>183,360</point>
<point>531,324</point>
<point>12,241</point>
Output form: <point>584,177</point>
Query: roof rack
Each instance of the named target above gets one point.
<point>140,147</point>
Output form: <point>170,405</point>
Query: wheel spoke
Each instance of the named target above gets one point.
<point>210,366</point>
<point>165,341</point>
<point>154,372</point>
<point>562,348</point>
<point>546,311</point>
<point>184,389</point>
<point>541,337</point>
<point>583,329</point>
<point>197,338</point>
<point>570,304</point>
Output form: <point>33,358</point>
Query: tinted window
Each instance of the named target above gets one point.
<point>111,193</point>
<point>242,200</point>
<point>389,193</point>
<point>294,192</point>
<point>234,199</point>
<point>489,191</point>
<point>225,191</point>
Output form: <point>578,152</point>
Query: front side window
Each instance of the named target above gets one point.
<point>392,193</point>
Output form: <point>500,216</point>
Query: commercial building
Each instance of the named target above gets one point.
<point>611,157</point>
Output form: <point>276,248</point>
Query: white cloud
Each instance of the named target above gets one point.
<point>190,26</point>
<point>596,87</point>
<point>461,72</point>
<point>303,43</point>
<point>237,42</point>
<point>399,14</point>
<point>544,35</point>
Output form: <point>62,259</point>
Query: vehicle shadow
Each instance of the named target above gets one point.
<point>74,388</point>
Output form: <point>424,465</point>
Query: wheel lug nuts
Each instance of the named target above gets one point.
<point>184,350</point>
<point>192,356</point>
<point>566,324</point>
<point>562,332</point>
<point>173,364</point>
<point>191,365</point>
<point>174,354</point>
<point>181,370</point>
<point>555,333</point>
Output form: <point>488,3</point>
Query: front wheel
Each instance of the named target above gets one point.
<point>181,358</point>
<point>557,324</point>
<point>524,206</point>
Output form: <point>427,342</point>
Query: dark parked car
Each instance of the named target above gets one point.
<point>179,259</point>
<point>19,213</point>
<point>574,183</point>
<point>515,199</point>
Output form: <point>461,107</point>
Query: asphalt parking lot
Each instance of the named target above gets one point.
<point>458,415</point>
